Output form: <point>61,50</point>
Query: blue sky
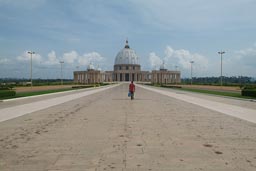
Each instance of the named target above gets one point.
<point>83,31</point>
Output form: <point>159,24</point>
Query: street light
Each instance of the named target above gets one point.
<point>221,53</point>
<point>61,62</point>
<point>191,62</point>
<point>176,66</point>
<point>31,53</point>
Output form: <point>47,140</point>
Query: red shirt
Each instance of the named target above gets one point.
<point>132,88</point>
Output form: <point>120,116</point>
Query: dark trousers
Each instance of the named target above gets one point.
<point>132,95</point>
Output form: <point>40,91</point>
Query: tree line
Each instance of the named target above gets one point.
<point>241,80</point>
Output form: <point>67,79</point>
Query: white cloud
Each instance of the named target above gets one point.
<point>237,63</point>
<point>183,57</point>
<point>83,61</point>
<point>155,61</point>
<point>70,57</point>
<point>27,57</point>
<point>242,62</point>
<point>4,61</point>
<point>246,57</point>
<point>93,57</point>
<point>52,59</point>
<point>180,58</point>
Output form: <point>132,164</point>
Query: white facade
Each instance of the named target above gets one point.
<point>127,56</point>
<point>127,68</point>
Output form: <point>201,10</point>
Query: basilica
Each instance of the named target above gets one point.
<point>126,68</point>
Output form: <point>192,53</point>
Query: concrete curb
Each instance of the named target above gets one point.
<point>228,97</point>
<point>48,94</point>
<point>228,109</point>
<point>22,109</point>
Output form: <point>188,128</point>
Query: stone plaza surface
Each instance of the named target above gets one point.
<point>108,131</point>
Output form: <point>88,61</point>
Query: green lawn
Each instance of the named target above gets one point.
<point>26,94</point>
<point>214,92</point>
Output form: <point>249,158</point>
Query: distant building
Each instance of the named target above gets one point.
<point>126,68</point>
<point>164,76</point>
<point>91,76</point>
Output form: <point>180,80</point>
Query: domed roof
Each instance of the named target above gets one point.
<point>90,67</point>
<point>162,66</point>
<point>127,56</point>
<point>98,67</point>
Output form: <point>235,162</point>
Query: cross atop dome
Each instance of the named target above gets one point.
<point>162,67</point>
<point>126,44</point>
<point>127,56</point>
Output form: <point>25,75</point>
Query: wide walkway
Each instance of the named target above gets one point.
<point>108,131</point>
<point>13,108</point>
<point>219,104</point>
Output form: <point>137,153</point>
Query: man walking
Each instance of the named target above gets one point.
<point>132,90</point>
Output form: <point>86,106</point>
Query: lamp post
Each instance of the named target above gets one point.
<point>191,62</point>
<point>176,74</point>
<point>31,53</point>
<point>61,63</point>
<point>221,53</point>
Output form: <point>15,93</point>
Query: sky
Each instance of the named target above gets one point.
<point>80,32</point>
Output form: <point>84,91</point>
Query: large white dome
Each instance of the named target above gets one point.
<point>127,56</point>
<point>90,67</point>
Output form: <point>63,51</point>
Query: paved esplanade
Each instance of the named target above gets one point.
<point>108,131</point>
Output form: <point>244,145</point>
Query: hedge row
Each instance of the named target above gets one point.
<point>4,88</point>
<point>249,87</point>
<point>85,86</point>
<point>171,86</point>
<point>249,92</point>
<point>7,93</point>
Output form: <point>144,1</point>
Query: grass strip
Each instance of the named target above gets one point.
<point>215,92</point>
<point>35,93</point>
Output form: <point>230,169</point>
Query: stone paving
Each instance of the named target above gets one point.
<point>40,102</point>
<point>108,131</point>
<point>241,112</point>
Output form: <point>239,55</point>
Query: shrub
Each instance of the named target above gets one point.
<point>4,88</point>
<point>7,93</point>
<point>252,86</point>
<point>171,86</point>
<point>104,84</point>
<point>82,86</point>
<point>249,92</point>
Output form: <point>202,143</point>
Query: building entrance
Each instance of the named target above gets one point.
<point>127,77</point>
